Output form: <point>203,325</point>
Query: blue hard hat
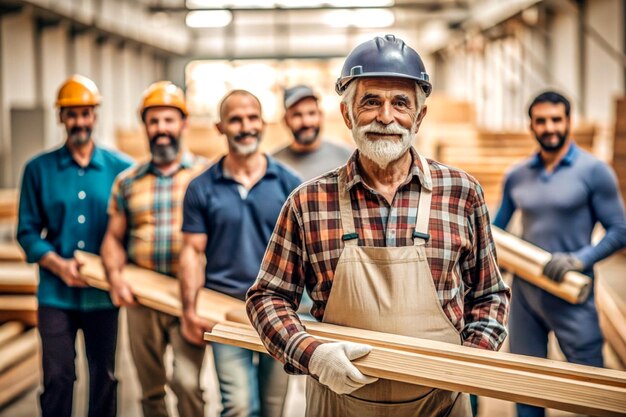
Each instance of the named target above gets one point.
<point>383,57</point>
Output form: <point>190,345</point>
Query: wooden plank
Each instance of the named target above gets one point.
<point>564,393</point>
<point>18,348</point>
<point>158,291</point>
<point>527,261</point>
<point>8,203</point>
<point>19,379</point>
<point>11,252</point>
<point>18,278</point>
<point>18,303</point>
<point>10,330</point>
<point>613,320</point>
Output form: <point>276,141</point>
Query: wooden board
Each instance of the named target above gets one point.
<point>11,252</point>
<point>18,379</point>
<point>158,291</point>
<point>10,330</point>
<point>17,278</point>
<point>22,308</point>
<point>497,381</point>
<point>612,319</point>
<point>17,349</point>
<point>527,261</point>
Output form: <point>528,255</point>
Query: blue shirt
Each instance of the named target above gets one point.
<point>560,208</point>
<point>63,207</point>
<point>238,226</point>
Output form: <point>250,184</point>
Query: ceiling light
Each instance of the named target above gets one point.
<point>285,4</point>
<point>364,18</point>
<point>208,18</point>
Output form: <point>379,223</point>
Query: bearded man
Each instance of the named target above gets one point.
<point>562,192</point>
<point>391,242</point>
<point>229,214</point>
<point>145,216</point>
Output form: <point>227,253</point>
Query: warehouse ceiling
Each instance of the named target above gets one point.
<point>228,29</point>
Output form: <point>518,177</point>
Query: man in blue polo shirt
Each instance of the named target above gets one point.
<point>63,207</point>
<point>229,213</point>
<point>562,192</point>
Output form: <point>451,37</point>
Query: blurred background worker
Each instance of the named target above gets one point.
<point>229,214</point>
<point>144,229</point>
<point>63,203</point>
<point>562,193</point>
<point>309,155</point>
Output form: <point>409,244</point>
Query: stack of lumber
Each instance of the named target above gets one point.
<point>8,204</point>
<point>18,286</point>
<point>489,155</point>
<point>510,377</point>
<point>527,261</point>
<point>619,144</point>
<point>19,360</point>
<point>542,382</point>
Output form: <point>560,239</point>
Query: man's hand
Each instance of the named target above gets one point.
<point>331,363</point>
<point>193,327</point>
<point>559,265</point>
<point>121,293</point>
<point>65,269</point>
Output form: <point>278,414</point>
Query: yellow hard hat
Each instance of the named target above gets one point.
<point>163,94</point>
<point>78,91</point>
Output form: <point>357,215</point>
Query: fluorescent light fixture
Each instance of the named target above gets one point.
<point>285,4</point>
<point>365,18</point>
<point>208,18</point>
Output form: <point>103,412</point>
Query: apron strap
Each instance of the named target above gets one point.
<point>420,234</point>
<point>350,236</point>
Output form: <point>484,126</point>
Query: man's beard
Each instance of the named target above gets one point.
<point>79,136</point>
<point>549,147</point>
<point>382,151</point>
<point>245,150</point>
<point>164,154</point>
<point>298,135</point>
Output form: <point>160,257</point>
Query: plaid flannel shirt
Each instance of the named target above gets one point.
<point>306,245</point>
<point>153,206</point>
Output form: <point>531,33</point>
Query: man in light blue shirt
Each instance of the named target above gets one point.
<point>562,192</point>
<point>63,207</point>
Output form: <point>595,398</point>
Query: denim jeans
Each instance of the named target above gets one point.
<point>251,384</point>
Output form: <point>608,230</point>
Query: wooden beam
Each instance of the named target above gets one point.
<point>497,381</point>
<point>18,348</point>
<point>18,379</point>
<point>10,330</point>
<point>158,291</point>
<point>11,252</point>
<point>18,278</point>
<point>18,307</point>
<point>612,319</point>
<point>527,261</point>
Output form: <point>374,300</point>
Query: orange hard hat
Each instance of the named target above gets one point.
<point>163,94</point>
<point>78,91</point>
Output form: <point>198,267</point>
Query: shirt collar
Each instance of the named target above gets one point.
<point>568,159</point>
<point>217,171</point>
<point>66,160</point>
<point>353,173</point>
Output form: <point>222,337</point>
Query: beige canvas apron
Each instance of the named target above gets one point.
<point>387,289</point>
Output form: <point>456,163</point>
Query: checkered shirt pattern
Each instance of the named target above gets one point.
<point>153,205</point>
<point>306,245</point>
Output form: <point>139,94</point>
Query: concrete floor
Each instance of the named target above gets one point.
<point>27,405</point>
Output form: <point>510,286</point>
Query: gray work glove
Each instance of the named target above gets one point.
<point>331,363</point>
<point>559,265</point>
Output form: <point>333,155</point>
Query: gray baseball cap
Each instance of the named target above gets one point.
<point>297,93</point>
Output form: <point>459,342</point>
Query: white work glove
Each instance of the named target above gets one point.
<point>331,363</point>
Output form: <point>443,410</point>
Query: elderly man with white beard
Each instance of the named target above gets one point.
<point>391,242</point>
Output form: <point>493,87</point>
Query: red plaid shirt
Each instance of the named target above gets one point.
<point>306,245</point>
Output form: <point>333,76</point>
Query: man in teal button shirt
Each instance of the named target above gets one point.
<point>63,203</point>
